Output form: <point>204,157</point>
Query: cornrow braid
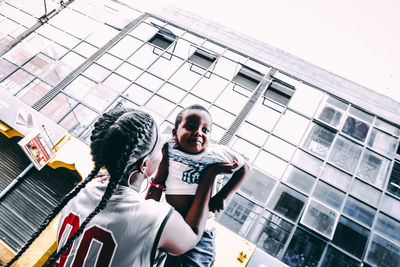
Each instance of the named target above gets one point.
<point>178,118</point>
<point>120,140</point>
<point>54,213</point>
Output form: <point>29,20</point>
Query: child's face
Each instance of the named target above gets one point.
<point>193,132</point>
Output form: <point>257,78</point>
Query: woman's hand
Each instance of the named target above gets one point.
<point>103,176</point>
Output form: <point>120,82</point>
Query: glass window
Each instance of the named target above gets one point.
<point>128,71</point>
<point>270,233</point>
<point>252,133</point>
<point>258,185</point>
<point>245,148</point>
<point>382,142</point>
<point>359,211</point>
<point>391,206</point>
<point>96,72</point>
<point>185,78</point>
<point>335,258</point>
<point>262,116</point>
<point>361,114</point>
<point>202,61</point>
<point>239,215</point>
<point>228,97</point>
<point>149,81</point>
<point>78,120</point>
<point>221,117</point>
<point>388,227</point>
<point>355,128</point>
<point>319,140</point>
<point>373,168</point>
<point>287,123</point>
<point>351,237</point>
<point>190,99</point>
<point>248,78</point>
<point>320,218</point>
<point>143,31</point>
<point>116,82</point>
<point>125,47</point>
<point>85,49</point>
<point>331,116</point>
<point>160,106</point>
<point>143,57</point>
<point>171,92</point>
<point>383,252</point>
<point>164,68</point>
<point>226,68</point>
<point>109,61</point>
<point>304,249</point>
<point>137,94</point>
<point>328,195</point>
<point>299,179</point>
<point>6,68</point>
<point>55,73</point>
<point>287,202</point>
<point>16,81</point>
<point>336,177</point>
<point>394,181</point>
<point>58,107</point>
<point>365,192</point>
<point>305,99</point>
<point>270,164</point>
<point>37,64</point>
<point>345,154</point>
<point>279,147</point>
<point>387,127</point>
<point>307,162</point>
<point>210,89</point>
<point>279,91</point>
<point>34,92</point>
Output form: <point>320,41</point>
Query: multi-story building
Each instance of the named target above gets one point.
<point>324,189</point>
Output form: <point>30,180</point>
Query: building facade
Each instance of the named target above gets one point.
<point>324,189</point>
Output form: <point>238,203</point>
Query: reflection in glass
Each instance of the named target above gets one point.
<point>6,68</point>
<point>335,258</point>
<point>270,233</point>
<point>270,164</point>
<point>373,168</point>
<point>58,107</point>
<point>55,73</point>
<point>391,206</point>
<point>336,177</point>
<point>15,82</point>
<point>319,140</point>
<point>33,92</point>
<point>345,154</point>
<point>394,181</point>
<point>287,202</point>
<point>359,211</point>
<point>351,237</point>
<point>320,218</point>
<point>299,179</point>
<point>37,64</point>
<point>279,147</point>
<point>239,215</point>
<point>382,142</point>
<point>331,116</point>
<point>304,249</point>
<point>365,192</point>
<point>383,252</point>
<point>355,128</point>
<point>328,195</point>
<point>258,185</point>
<point>388,227</point>
<point>307,162</point>
<point>78,120</point>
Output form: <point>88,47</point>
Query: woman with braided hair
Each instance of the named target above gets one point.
<point>110,223</point>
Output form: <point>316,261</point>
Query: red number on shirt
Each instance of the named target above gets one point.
<point>89,235</point>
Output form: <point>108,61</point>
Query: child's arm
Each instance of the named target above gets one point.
<point>159,179</point>
<point>217,202</point>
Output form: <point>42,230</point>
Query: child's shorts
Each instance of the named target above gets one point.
<point>202,255</point>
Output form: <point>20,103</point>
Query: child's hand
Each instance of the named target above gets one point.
<point>104,176</point>
<point>219,168</point>
<point>217,203</point>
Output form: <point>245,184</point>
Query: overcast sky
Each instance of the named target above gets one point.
<point>356,39</point>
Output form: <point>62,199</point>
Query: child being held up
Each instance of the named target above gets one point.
<point>185,156</point>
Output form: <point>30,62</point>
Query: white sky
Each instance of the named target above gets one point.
<point>356,39</point>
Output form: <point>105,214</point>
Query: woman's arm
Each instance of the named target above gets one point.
<point>217,202</point>
<point>181,235</point>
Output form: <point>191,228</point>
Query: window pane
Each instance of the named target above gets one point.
<point>345,154</point>
<point>55,73</point>
<point>129,71</point>
<point>279,147</point>
<point>78,120</point>
<point>270,233</point>
<point>305,99</point>
<point>270,164</point>
<point>320,218</point>
<point>58,107</point>
<point>15,82</point>
<point>221,117</point>
<point>38,64</point>
<point>331,116</point>
<point>336,177</point>
<point>164,68</point>
<point>228,97</point>
<point>383,252</point>
<point>160,106</point>
<point>365,192</point>
<point>143,57</point>
<point>304,249</point>
<point>33,92</point>
<point>388,227</point>
<point>116,82</point>
<point>245,148</point>
<point>6,68</point>
<point>239,215</point>
<point>307,162</point>
<point>391,206</point>
<point>319,140</point>
<point>387,127</point>
<point>373,168</point>
<point>137,94</point>
<point>287,202</point>
<point>258,185</point>
<point>209,89</point>
<point>252,133</point>
<point>125,47</point>
<point>394,182</point>
<point>359,211</point>
<point>287,123</point>
<point>262,116</point>
<point>382,142</point>
<point>299,179</point>
<point>328,195</point>
<point>335,258</point>
<point>355,128</point>
<point>351,237</point>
